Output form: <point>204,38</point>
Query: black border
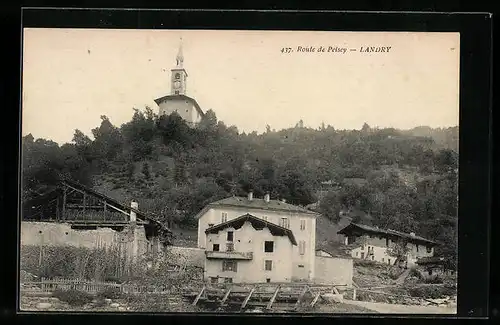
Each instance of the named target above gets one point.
<point>475,109</point>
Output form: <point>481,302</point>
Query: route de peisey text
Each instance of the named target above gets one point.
<point>336,49</point>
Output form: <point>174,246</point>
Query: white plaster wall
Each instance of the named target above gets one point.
<point>308,235</point>
<point>247,239</point>
<point>61,234</point>
<point>333,270</point>
<point>183,107</point>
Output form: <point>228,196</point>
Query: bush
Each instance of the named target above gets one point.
<point>110,293</point>
<point>73,297</point>
<point>432,292</point>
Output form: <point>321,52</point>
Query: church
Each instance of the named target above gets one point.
<point>177,101</point>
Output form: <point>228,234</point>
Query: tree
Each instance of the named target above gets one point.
<point>399,250</point>
<point>145,170</point>
<point>330,206</point>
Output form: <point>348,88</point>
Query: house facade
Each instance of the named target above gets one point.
<point>248,249</point>
<point>372,243</point>
<point>301,223</point>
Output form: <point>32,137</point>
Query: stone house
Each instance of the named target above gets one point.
<point>248,249</point>
<point>299,221</point>
<point>372,243</point>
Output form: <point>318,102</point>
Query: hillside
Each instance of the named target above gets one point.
<point>395,177</point>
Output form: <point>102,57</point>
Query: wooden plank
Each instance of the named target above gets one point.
<point>243,305</point>
<point>198,296</point>
<point>301,296</point>
<point>64,203</point>
<point>225,297</point>
<point>315,300</point>
<point>273,298</point>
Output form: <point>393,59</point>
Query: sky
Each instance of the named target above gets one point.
<point>73,76</point>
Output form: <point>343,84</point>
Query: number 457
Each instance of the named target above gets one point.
<point>286,50</point>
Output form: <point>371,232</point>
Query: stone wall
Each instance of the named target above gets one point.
<point>187,255</point>
<point>334,270</point>
<point>132,238</point>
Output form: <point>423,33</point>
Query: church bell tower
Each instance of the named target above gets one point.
<point>179,75</point>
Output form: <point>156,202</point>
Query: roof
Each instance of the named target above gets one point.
<point>432,260</point>
<point>390,232</point>
<point>256,223</point>
<point>257,204</point>
<point>332,253</point>
<point>109,200</point>
<point>182,97</point>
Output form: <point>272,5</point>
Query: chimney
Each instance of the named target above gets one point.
<point>250,195</point>
<point>133,215</point>
<point>267,197</point>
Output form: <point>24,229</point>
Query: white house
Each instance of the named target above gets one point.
<point>372,243</point>
<point>301,223</point>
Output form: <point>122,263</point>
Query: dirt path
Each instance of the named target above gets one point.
<point>402,309</point>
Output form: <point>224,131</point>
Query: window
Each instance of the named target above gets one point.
<point>229,247</point>
<point>284,223</point>
<point>215,248</point>
<point>389,261</point>
<point>383,259</point>
<point>429,249</point>
<point>228,280</point>
<point>177,76</point>
<point>224,216</point>
<point>229,266</point>
<point>302,224</point>
<point>269,265</point>
<point>213,279</point>
<point>430,271</point>
<point>417,248</point>
<point>357,254</point>
<point>363,255</point>
<point>302,247</point>
<point>373,257</point>
<point>268,280</point>
<point>230,236</point>
<point>387,242</point>
<point>268,246</point>
<point>301,266</point>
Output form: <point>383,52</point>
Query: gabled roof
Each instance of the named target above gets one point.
<point>393,233</point>
<point>256,204</point>
<point>256,223</point>
<point>181,97</point>
<point>107,199</point>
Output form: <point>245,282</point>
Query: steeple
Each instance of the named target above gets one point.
<point>180,56</point>
<point>179,75</point>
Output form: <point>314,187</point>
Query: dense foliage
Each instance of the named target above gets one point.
<point>409,177</point>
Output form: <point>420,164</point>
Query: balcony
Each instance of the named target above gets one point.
<point>229,255</point>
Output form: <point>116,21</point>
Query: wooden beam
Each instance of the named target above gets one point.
<point>225,297</point>
<point>199,296</point>
<point>315,300</point>
<point>299,299</point>
<point>64,204</point>
<point>273,298</point>
<point>244,304</point>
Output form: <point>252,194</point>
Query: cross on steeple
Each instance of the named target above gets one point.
<point>180,56</point>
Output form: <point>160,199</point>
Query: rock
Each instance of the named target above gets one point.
<point>121,308</point>
<point>331,297</point>
<point>43,305</point>
<point>115,305</point>
<point>108,301</point>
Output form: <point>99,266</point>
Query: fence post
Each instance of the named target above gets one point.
<point>354,294</point>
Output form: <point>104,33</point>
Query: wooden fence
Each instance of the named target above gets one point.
<point>50,285</point>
